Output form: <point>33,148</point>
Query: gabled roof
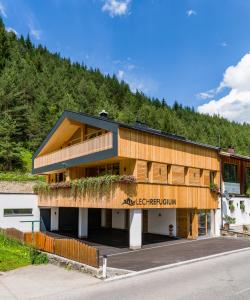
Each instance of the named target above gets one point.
<point>81,118</point>
<point>112,125</point>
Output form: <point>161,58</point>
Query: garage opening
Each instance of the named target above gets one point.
<point>94,219</point>
<point>68,220</point>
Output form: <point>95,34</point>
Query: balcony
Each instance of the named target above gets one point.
<point>90,146</point>
<point>232,187</point>
<point>128,195</point>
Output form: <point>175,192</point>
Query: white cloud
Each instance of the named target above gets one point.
<point>206,95</point>
<point>35,32</point>
<point>116,7</point>
<point>10,29</point>
<point>2,10</point>
<point>224,44</point>
<point>120,74</point>
<point>191,12</point>
<point>236,104</point>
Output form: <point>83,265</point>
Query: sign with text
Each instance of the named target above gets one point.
<point>149,202</point>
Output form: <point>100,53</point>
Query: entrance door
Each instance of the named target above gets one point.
<point>204,222</point>
<point>45,218</point>
<point>145,221</point>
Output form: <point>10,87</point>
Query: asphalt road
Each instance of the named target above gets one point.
<point>226,277</point>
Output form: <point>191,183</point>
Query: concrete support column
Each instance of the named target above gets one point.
<point>217,220</point>
<point>135,229</point>
<point>83,222</point>
<point>54,218</point>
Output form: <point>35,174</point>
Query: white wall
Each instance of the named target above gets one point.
<point>54,221</point>
<point>160,219</point>
<point>118,218</point>
<point>241,217</point>
<point>217,220</point>
<point>19,201</point>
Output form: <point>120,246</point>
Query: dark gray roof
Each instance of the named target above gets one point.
<point>144,128</point>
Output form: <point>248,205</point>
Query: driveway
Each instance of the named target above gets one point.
<point>173,252</point>
<point>41,282</point>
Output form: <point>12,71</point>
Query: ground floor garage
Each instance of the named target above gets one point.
<point>131,228</point>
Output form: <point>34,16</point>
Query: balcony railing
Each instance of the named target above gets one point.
<point>232,187</point>
<point>93,145</point>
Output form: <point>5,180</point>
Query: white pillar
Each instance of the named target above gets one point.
<point>54,218</point>
<point>135,229</point>
<point>83,222</point>
<point>217,218</point>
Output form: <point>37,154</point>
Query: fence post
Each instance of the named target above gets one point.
<point>104,266</point>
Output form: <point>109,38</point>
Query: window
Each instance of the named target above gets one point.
<point>15,212</point>
<point>60,177</point>
<point>230,173</point>
<point>212,177</point>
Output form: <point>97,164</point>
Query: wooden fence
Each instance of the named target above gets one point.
<point>14,233</point>
<point>68,248</point>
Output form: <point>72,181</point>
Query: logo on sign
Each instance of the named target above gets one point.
<point>129,202</point>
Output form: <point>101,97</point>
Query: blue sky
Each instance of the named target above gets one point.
<point>177,49</point>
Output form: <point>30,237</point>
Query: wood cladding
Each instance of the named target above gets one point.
<point>145,146</point>
<point>187,223</point>
<point>206,178</point>
<point>194,176</point>
<point>177,196</point>
<point>159,172</point>
<point>178,174</point>
<point>142,170</point>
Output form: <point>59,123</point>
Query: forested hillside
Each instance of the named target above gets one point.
<point>37,86</point>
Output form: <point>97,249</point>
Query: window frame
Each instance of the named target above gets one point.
<point>13,214</point>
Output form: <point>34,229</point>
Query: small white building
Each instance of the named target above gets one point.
<point>235,199</point>
<point>18,203</point>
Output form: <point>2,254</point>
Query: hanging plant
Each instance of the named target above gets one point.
<point>41,187</point>
<point>214,188</point>
<point>86,184</point>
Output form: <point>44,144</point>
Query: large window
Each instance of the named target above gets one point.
<point>230,173</point>
<point>15,212</point>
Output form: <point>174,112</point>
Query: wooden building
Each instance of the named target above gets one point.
<point>161,184</point>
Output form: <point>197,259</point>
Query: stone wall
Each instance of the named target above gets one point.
<point>16,187</point>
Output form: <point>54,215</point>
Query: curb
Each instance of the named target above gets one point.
<point>175,265</point>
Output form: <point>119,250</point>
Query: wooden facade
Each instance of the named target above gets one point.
<point>170,172</point>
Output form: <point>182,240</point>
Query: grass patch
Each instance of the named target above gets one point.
<point>18,176</point>
<point>13,255</point>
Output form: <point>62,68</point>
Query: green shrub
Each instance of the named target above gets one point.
<point>37,257</point>
<point>242,206</point>
<point>229,220</point>
<point>18,176</point>
<point>231,207</point>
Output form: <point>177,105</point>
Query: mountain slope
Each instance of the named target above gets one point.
<point>36,86</point>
